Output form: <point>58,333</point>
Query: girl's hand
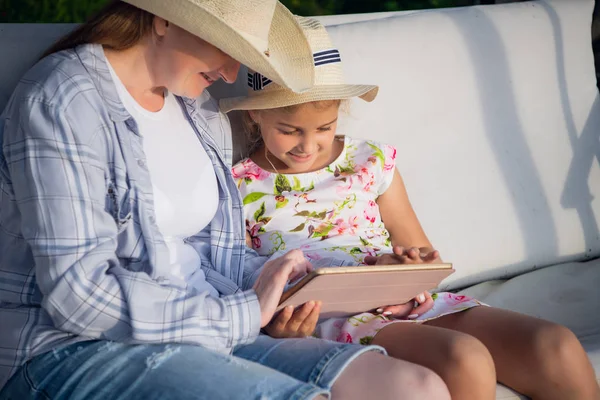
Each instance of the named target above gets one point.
<point>401,255</point>
<point>273,278</point>
<point>295,324</point>
<point>423,302</point>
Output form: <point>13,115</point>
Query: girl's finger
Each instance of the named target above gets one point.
<point>422,308</point>
<point>277,327</point>
<point>398,250</point>
<point>310,323</point>
<point>299,316</point>
<point>434,255</point>
<point>421,298</point>
<point>414,254</point>
<point>370,260</point>
<point>398,311</point>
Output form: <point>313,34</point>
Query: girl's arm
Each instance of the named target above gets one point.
<point>400,219</point>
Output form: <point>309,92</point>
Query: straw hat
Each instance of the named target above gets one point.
<point>261,34</point>
<point>329,79</point>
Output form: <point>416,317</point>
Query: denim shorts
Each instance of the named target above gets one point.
<point>266,369</point>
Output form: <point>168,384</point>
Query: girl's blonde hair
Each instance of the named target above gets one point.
<point>252,129</point>
<point>117,26</point>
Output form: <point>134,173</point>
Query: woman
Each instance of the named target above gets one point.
<point>114,178</point>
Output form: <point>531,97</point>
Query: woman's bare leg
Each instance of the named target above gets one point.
<point>375,376</point>
<point>537,358</point>
<point>462,361</point>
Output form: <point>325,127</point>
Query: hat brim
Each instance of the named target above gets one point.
<point>283,98</point>
<point>289,61</point>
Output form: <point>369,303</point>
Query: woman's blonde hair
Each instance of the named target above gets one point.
<point>252,129</point>
<point>117,26</point>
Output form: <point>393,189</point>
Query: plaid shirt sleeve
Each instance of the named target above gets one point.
<point>57,178</point>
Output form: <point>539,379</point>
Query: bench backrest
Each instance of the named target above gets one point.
<point>495,114</point>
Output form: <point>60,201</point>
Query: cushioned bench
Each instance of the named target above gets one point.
<point>496,116</point>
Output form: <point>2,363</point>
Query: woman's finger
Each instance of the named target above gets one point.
<point>298,268</point>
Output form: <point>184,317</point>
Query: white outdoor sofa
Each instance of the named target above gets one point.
<point>496,116</point>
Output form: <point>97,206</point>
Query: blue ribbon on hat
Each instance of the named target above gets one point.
<point>258,82</point>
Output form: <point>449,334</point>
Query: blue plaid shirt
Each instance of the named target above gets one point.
<point>81,256</point>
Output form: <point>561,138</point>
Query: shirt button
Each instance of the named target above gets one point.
<point>152,219</point>
<point>141,163</point>
<point>162,280</point>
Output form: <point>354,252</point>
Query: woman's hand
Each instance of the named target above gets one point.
<point>401,255</point>
<point>423,302</point>
<point>272,280</point>
<point>295,324</point>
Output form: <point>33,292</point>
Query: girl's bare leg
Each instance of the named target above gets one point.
<point>537,358</point>
<point>375,376</point>
<point>462,361</point>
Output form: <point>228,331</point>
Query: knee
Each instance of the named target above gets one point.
<point>554,346</point>
<point>467,356</point>
<point>419,383</point>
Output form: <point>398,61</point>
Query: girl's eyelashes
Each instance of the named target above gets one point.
<point>287,132</point>
<point>322,129</point>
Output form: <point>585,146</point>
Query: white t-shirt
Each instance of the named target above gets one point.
<point>183,181</point>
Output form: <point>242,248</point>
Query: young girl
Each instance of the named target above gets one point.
<point>304,187</point>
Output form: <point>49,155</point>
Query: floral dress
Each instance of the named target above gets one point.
<point>331,215</point>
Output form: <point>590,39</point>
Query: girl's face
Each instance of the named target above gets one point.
<point>300,140</point>
<point>186,64</point>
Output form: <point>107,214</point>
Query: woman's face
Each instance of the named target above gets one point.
<point>300,140</point>
<point>186,64</point>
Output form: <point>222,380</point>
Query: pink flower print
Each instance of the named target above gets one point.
<point>365,177</point>
<point>370,251</point>
<point>353,225</point>
<point>390,157</point>
<point>249,170</point>
<point>369,183</point>
<point>344,337</point>
<point>371,211</point>
<point>344,187</point>
<point>342,227</point>
<point>454,299</point>
<point>253,231</point>
<point>313,256</point>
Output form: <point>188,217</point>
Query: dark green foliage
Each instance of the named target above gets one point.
<point>65,11</point>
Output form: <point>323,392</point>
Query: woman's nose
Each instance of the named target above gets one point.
<point>229,71</point>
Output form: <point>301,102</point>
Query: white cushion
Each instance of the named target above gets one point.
<point>495,113</point>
